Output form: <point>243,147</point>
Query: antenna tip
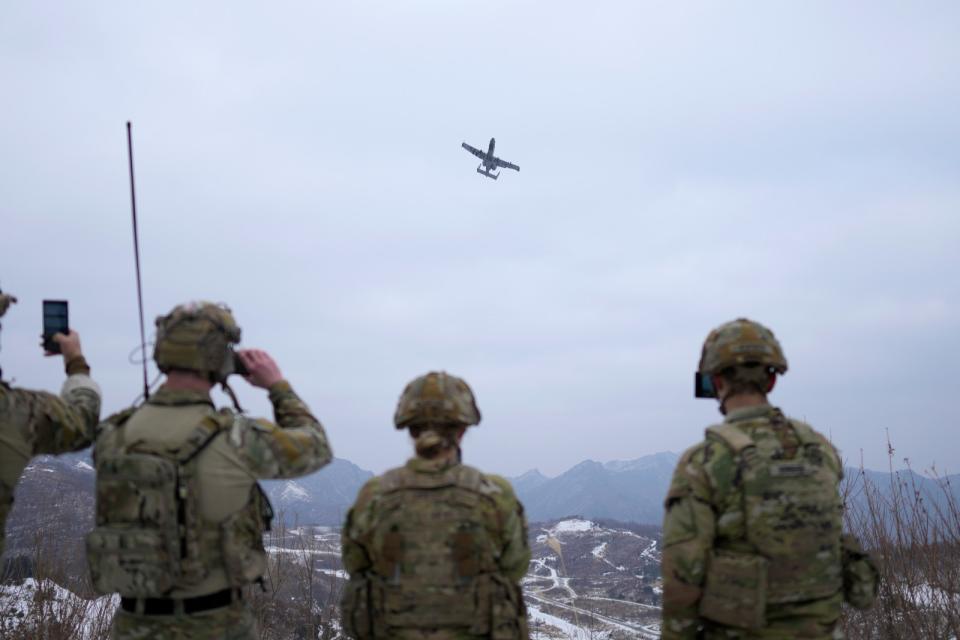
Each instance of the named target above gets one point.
<point>128,124</point>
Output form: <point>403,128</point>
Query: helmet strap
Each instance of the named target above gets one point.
<point>721,396</point>
<point>233,396</point>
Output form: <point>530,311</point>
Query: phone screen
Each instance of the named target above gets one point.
<point>703,386</point>
<point>55,320</point>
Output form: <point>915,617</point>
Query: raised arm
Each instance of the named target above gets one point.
<point>295,444</point>
<point>66,423</point>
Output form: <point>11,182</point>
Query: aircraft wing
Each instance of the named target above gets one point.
<point>505,164</point>
<point>474,151</point>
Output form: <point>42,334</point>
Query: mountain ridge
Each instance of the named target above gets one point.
<point>56,493</point>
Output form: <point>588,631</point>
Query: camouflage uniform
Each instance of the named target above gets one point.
<point>180,555</point>
<point>435,549</point>
<point>35,422</point>
<point>752,536</point>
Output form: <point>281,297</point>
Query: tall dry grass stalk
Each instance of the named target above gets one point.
<point>912,527</point>
<point>300,597</point>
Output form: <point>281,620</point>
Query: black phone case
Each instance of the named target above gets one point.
<point>56,319</point>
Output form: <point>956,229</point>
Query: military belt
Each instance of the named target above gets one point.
<point>171,606</point>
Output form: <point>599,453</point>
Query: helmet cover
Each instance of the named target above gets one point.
<point>741,342</point>
<point>436,398</point>
<point>197,336</point>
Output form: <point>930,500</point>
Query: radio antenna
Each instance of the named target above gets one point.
<point>136,259</point>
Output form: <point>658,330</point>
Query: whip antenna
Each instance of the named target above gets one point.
<point>136,259</point>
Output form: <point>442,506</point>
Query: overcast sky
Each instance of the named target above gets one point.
<point>682,164</point>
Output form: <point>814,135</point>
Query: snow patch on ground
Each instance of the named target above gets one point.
<point>337,573</point>
<point>599,551</point>
<point>649,551</point>
<point>566,628</point>
<point>22,604</point>
<point>926,595</point>
<point>307,552</point>
<point>293,492</point>
<point>573,526</point>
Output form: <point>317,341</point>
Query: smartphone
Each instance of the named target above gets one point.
<point>703,386</point>
<point>55,320</point>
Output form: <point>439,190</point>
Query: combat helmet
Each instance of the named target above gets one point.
<point>741,342</point>
<point>436,398</point>
<point>197,336</point>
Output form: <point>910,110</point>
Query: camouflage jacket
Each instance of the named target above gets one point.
<point>294,445</point>
<point>708,507</point>
<point>500,554</point>
<point>36,422</point>
<point>224,539</point>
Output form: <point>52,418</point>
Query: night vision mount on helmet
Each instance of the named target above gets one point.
<point>436,398</point>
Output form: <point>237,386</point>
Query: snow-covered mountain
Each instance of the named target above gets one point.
<point>321,498</point>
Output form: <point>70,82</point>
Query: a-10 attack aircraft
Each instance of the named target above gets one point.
<point>488,161</point>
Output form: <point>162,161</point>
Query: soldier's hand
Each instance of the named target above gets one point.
<point>263,371</point>
<point>69,345</point>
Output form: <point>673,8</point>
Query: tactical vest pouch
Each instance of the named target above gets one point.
<point>735,590</point>
<point>861,579</point>
<point>404,608</point>
<point>241,536</point>
<point>137,553</point>
<point>147,539</point>
<point>355,609</point>
<point>508,615</point>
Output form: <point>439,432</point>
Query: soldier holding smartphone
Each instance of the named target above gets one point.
<point>37,422</point>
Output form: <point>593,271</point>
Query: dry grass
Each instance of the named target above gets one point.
<point>298,601</point>
<point>45,605</point>
<point>912,528</point>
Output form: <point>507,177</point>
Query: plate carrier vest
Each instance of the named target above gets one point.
<point>791,508</point>
<point>149,537</point>
<point>435,556</point>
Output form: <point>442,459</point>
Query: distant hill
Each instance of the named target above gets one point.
<point>633,490</point>
<point>54,499</point>
<point>627,490</point>
<point>321,498</point>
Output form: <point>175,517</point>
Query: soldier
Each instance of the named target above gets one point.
<point>180,515</point>
<point>36,422</point>
<point>752,538</point>
<point>435,549</point>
